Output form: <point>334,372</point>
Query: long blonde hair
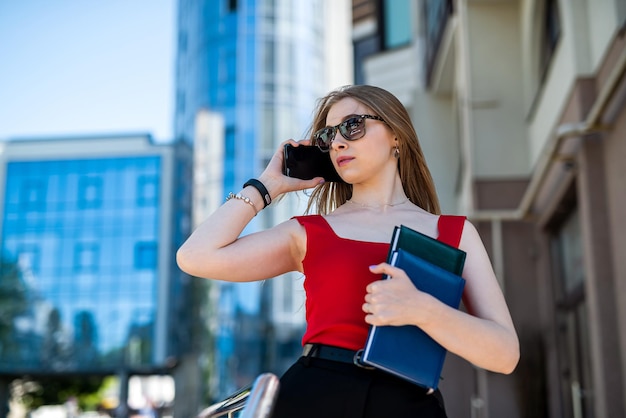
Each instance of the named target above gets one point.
<point>414,173</point>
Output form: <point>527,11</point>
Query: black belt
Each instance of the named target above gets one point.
<point>342,355</point>
<point>328,352</point>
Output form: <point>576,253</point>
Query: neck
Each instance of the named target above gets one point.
<point>380,205</point>
<point>379,195</point>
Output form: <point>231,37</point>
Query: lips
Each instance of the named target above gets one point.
<point>343,160</point>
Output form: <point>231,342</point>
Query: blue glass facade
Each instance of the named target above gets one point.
<point>257,64</point>
<point>207,72</point>
<point>80,245</point>
<point>260,65</point>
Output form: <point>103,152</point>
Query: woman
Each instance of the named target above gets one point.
<point>341,251</point>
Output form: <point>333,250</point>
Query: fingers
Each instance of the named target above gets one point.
<point>308,184</point>
<point>294,143</point>
<point>384,268</point>
<point>386,301</point>
<point>370,317</point>
<point>274,178</point>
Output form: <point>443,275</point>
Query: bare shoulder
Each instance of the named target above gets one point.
<point>477,263</point>
<point>470,236</point>
<point>291,227</point>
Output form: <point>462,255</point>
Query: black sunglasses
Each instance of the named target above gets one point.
<point>352,129</point>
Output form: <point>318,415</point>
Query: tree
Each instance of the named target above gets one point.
<point>13,303</point>
<point>33,392</point>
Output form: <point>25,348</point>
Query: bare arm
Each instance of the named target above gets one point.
<point>485,336</point>
<point>215,249</point>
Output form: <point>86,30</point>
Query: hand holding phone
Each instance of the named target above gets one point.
<point>307,162</point>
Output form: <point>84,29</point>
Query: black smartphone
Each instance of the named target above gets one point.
<point>306,162</point>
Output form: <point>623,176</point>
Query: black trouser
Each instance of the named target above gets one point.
<point>319,388</point>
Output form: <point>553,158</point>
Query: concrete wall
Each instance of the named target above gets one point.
<point>496,100</point>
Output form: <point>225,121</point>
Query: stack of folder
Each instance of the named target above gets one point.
<point>435,268</point>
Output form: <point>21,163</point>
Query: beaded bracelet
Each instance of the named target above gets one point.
<point>243,198</point>
<point>267,199</point>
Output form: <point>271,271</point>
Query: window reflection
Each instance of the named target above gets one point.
<point>79,263</point>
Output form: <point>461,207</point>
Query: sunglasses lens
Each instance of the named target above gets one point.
<point>324,137</point>
<point>353,128</point>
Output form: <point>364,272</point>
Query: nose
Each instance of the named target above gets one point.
<point>339,142</point>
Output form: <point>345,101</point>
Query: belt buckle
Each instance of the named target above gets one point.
<point>358,361</point>
<point>307,349</point>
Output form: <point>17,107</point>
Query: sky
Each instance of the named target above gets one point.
<point>80,67</point>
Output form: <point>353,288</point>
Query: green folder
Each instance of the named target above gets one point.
<point>439,253</point>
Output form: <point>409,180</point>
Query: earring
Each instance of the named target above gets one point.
<point>396,152</point>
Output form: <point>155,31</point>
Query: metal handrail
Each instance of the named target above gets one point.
<point>254,401</point>
<point>228,406</point>
<point>261,400</point>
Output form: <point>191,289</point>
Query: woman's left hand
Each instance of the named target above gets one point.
<point>394,301</point>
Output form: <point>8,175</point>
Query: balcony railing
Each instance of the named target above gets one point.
<point>254,401</point>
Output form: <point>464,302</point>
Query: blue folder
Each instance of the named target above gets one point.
<point>407,351</point>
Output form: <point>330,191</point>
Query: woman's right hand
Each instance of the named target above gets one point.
<point>276,182</point>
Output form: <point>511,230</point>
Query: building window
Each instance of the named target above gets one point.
<point>570,307</point>
<point>621,13</point>
<point>147,190</point>
<point>229,158</point>
<point>180,101</point>
<point>268,53</point>
<point>145,255</point>
<point>571,253</point>
<point>363,48</point>
<point>550,33</point>
<point>28,258</point>
<point>86,257</point>
<point>182,42</point>
<point>33,195</point>
<point>397,23</point>
<point>436,15</point>
<point>90,192</point>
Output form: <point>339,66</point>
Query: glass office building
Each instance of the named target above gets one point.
<point>88,279</point>
<point>258,63</point>
<point>256,66</point>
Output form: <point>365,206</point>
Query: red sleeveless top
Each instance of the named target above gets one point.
<point>336,274</point>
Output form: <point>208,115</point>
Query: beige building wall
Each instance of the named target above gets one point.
<point>568,153</point>
<point>537,160</point>
<point>493,96</point>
